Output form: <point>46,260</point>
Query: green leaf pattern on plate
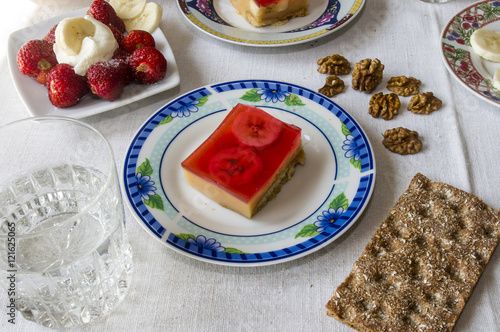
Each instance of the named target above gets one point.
<point>167,119</point>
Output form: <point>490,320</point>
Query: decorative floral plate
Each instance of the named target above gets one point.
<point>34,95</point>
<point>465,65</point>
<point>322,200</point>
<point>218,18</point>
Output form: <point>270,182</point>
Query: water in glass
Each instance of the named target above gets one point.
<point>79,273</point>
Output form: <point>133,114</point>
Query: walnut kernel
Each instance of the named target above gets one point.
<point>404,86</point>
<point>402,141</point>
<point>333,86</point>
<point>424,103</point>
<point>334,65</point>
<point>385,106</point>
<point>367,74</point>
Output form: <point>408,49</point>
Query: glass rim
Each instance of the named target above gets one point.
<point>110,172</point>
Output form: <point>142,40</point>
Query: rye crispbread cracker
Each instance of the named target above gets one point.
<point>422,263</point>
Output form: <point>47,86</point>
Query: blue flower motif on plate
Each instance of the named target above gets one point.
<point>272,95</point>
<point>186,109</point>
<point>351,148</point>
<point>327,219</point>
<point>145,186</point>
<point>202,242</point>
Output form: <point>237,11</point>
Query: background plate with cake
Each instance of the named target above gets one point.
<point>221,20</point>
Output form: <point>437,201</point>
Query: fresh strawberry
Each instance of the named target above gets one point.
<point>65,87</point>
<point>120,53</point>
<point>35,59</point>
<point>136,39</point>
<point>51,35</point>
<point>117,33</point>
<point>108,79</point>
<point>148,65</point>
<point>104,13</point>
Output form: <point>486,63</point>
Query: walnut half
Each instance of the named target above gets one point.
<point>424,103</point>
<point>404,86</point>
<point>367,74</point>
<point>333,86</point>
<point>385,106</point>
<point>402,141</point>
<point>334,65</point>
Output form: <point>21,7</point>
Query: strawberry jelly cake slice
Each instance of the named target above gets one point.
<point>266,12</point>
<point>244,163</point>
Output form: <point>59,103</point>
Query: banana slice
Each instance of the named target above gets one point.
<point>82,41</point>
<point>126,9</point>
<point>486,44</point>
<point>147,20</point>
<point>70,33</point>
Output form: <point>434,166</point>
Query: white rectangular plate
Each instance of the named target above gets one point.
<point>35,96</point>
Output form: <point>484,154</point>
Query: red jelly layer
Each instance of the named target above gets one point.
<point>261,3</point>
<point>224,139</point>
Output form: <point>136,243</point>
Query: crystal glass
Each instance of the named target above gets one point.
<point>65,260</point>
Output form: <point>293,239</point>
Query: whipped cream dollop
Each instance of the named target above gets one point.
<point>97,43</point>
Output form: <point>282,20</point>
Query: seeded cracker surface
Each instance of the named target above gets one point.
<point>422,263</point>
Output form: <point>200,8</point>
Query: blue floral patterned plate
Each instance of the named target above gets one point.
<point>468,68</point>
<point>322,200</point>
<point>218,18</point>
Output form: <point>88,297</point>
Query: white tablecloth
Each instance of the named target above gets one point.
<point>172,292</point>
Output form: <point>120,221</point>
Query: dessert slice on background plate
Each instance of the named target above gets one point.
<point>270,12</point>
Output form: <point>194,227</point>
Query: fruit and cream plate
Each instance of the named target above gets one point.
<point>470,48</point>
<point>230,134</point>
<point>269,22</point>
<point>87,49</point>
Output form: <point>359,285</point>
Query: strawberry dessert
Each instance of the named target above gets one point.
<point>96,54</point>
<point>266,12</point>
<point>246,160</point>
